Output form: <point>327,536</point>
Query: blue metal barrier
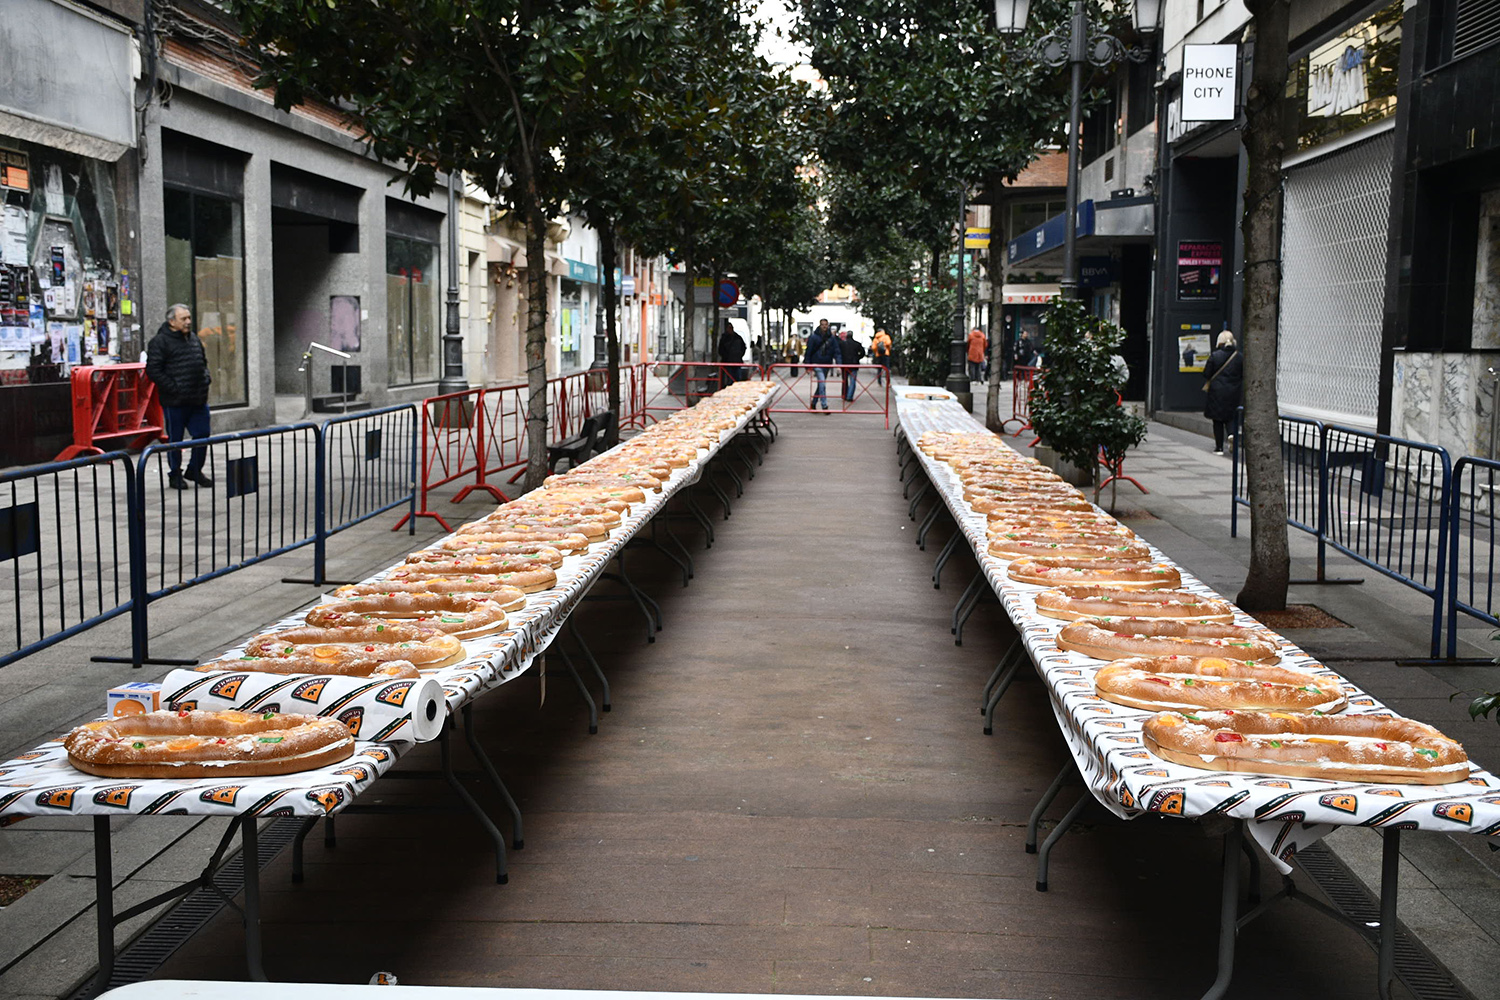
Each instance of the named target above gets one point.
<point>1387,499</point>
<point>367,465</point>
<point>1473,554</point>
<point>1301,459</point>
<point>65,548</point>
<point>263,504</point>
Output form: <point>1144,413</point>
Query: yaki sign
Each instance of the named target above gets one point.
<point>1208,82</point>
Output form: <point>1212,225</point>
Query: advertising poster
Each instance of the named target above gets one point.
<point>1192,351</point>
<point>1199,266</point>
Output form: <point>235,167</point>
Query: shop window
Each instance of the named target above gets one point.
<point>1348,81</point>
<point>205,244</point>
<point>412,300</point>
<point>1100,123</point>
<point>570,324</point>
<point>1027,215</point>
<point>1140,101</point>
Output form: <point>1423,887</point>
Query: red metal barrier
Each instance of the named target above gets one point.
<point>799,384</point>
<point>452,446</point>
<point>1023,378</point>
<point>115,406</point>
<point>482,432</point>
<point>675,385</point>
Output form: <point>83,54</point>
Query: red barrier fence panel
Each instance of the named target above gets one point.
<point>482,432</point>
<point>676,385</point>
<point>452,445</point>
<point>114,406</point>
<point>852,389</point>
<point>1023,379</point>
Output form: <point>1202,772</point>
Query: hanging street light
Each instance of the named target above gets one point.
<point>1076,46</point>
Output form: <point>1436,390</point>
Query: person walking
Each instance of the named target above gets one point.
<point>979,348</point>
<point>822,351</point>
<point>880,353</point>
<point>731,354</point>
<point>1224,374</point>
<point>1025,352</point>
<point>176,362</point>
<point>851,352</point>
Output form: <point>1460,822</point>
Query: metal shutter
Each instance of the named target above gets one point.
<point>1336,220</point>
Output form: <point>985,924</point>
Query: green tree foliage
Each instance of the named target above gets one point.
<point>542,104</point>
<point>924,345</point>
<point>887,275</point>
<point>923,96</point>
<point>1075,407</point>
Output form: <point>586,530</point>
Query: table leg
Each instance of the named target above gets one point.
<point>1390,877</point>
<point>927,524</point>
<point>989,685</point>
<point>583,689</point>
<point>699,515</point>
<point>488,825</point>
<point>250,839</point>
<point>104,904</point>
<point>911,508</point>
<point>588,654</point>
<point>1056,835</point>
<point>1229,910</point>
<point>1000,689</point>
<point>1043,803</point>
<point>942,559</point>
<point>963,599</point>
<point>518,839</point>
<point>302,832</point>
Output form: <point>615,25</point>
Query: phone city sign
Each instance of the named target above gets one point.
<point>1208,82</point>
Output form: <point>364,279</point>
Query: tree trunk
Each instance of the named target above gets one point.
<point>711,348</point>
<point>689,347</point>
<point>536,346</point>
<point>993,418</point>
<point>607,253</point>
<point>1270,563</point>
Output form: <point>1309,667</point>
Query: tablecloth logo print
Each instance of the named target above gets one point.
<point>310,691</point>
<point>117,797</point>
<point>228,687</point>
<point>224,795</point>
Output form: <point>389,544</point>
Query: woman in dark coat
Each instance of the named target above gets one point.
<point>1225,372</point>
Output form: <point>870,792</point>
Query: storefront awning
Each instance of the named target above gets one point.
<point>1099,226</point>
<point>1027,295</point>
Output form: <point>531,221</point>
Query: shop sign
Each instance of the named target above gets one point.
<point>1098,272</point>
<point>1208,82</point>
<point>1029,295</point>
<point>586,273</point>
<point>627,284</point>
<point>1199,269</point>
<point>15,170</point>
<point>977,238</point>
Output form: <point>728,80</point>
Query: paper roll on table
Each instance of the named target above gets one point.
<point>384,710</point>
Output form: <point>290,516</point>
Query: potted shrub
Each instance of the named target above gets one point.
<point>1075,404</point>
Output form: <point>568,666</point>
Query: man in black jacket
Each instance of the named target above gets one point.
<point>822,351</point>
<point>851,352</point>
<point>176,363</point>
<point>731,354</point>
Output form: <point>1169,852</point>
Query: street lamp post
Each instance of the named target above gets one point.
<point>1076,46</point>
<point>453,341</point>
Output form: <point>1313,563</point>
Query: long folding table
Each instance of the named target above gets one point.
<point>1281,815</point>
<point>41,782</point>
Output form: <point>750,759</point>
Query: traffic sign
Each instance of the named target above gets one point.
<point>729,293</point>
